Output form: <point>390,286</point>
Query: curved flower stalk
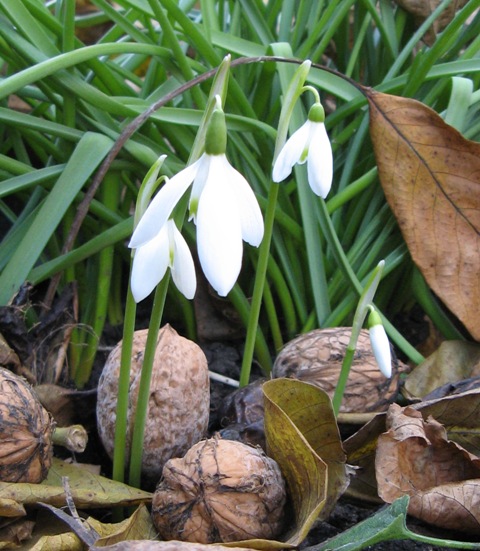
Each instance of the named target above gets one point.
<point>380,343</point>
<point>222,205</point>
<point>309,144</point>
<point>168,249</point>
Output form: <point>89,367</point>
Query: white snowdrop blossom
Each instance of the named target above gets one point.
<point>380,344</point>
<point>222,205</point>
<point>167,249</point>
<point>309,144</point>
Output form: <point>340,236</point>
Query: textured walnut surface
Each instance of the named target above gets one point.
<point>179,402</point>
<point>221,491</point>
<point>316,357</point>
<point>25,432</point>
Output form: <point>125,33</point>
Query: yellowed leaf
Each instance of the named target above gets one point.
<point>88,489</point>
<point>302,436</point>
<point>431,178</point>
<point>138,526</point>
<point>11,508</point>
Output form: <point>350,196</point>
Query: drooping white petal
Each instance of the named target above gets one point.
<point>320,161</point>
<point>219,233</point>
<point>183,268</point>
<point>244,201</point>
<point>381,349</point>
<point>291,153</point>
<point>162,205</point>
<point>150,263</point>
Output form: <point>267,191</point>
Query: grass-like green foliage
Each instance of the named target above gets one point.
<point>78,98</point>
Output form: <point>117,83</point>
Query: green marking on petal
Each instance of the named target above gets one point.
<point>193,207</point>
<point>303,156</point>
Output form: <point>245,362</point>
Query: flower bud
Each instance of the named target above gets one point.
<point>380,343</point>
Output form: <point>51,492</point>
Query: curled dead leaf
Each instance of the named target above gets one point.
<point>431,178</point>
<point>414,457</point>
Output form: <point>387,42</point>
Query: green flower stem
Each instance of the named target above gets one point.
<point>343,377</point>
<point>259,285</point>
<point>121,428</point>
<point>146,191</point>
<point>144,387</point>
<point>366,299</point>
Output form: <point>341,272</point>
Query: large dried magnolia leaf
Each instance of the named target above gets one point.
<point>414,457</point>
<point>302,436</point>
<point>431,178</point>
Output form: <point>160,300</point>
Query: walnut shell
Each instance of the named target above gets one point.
<point>221,491</point>
<point>25,432</point>
<point>179,401</point>
<point>316,357</point>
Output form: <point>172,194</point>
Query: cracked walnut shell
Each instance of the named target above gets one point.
<point>179,401</point>
<point>221,491</point>
<point>25,432</point>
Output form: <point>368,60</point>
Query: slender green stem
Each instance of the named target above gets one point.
<point>259,285</point>
<point>121,428</point>
<point>342,379</point>
<point>144,386</point>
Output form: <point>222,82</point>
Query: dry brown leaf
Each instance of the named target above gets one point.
<point>431,177</point>
<point>415,457</point>
<point>421,9</point>
<point>460,415</point>
<point>450,363</point>
<point>13,534</point>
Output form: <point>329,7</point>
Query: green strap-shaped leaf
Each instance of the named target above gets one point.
<point>88,154</point>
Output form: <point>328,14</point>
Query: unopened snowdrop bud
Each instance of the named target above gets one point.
<point>309,143</point>
<point>380,343</point>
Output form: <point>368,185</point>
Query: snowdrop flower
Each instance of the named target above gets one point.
<point>222,205</point>
<point>167,249</point>
<point>309,143</point>
<point>380,343</point>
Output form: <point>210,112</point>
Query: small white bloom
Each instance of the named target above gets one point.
<point>224,208</point>
<point>309,143</point>
<point>381,348</point>
<point>167,249</point>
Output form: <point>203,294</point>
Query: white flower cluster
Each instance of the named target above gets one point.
<point>223,208</point>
